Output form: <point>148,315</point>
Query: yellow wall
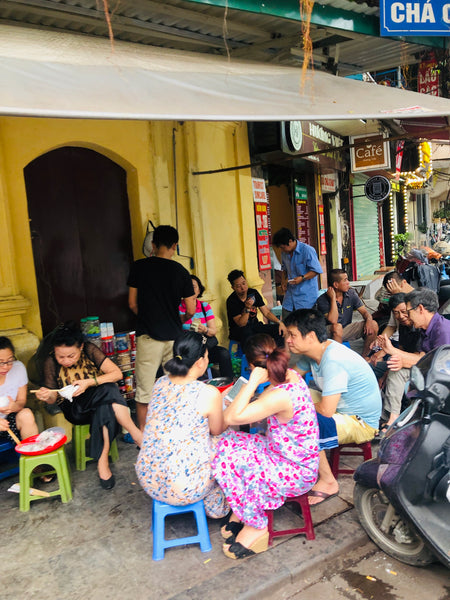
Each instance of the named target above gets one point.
<point>215,212</point>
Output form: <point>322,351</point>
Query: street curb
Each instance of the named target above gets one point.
<point>281,567</point>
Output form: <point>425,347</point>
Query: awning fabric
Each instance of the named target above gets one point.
<point>48,74</point>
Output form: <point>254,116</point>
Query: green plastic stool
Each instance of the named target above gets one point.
<point>56,459</point>
<point>80,434</point>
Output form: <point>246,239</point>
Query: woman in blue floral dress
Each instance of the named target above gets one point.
<point>174,463</point>
<point>258,472</point>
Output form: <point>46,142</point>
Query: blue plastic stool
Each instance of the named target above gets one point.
<point>238,352</point>
<point>159,512</point>
<point>10,456</point>
<point>346,344</point>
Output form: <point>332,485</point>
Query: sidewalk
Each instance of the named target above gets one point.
<point>99,545</point>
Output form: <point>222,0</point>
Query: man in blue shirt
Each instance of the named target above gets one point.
<point>349,397</point>
<point>300,267</point>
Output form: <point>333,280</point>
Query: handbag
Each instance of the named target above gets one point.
<point>147,248</point>
<point>212,341</point>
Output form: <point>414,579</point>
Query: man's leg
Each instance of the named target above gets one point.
<point>395,387</point>
<point>149,355</point>
<point>326,483</point>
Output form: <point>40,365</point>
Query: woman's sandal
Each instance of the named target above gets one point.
<point>237,550</point>
<point>230,531</point>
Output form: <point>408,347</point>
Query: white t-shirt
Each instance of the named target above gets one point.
<point>15,379</point>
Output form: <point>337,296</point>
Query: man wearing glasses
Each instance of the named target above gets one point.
<point>421,306</point>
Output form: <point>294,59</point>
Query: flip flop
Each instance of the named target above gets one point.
<point>319,494</point>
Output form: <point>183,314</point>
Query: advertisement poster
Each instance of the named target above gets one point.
<point>262,223</point>
<point>302,213</point>
<point>323,245</point>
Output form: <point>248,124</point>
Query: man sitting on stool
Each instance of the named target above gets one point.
<point>338,304</point>
<point>349,397</point>
<point>242,312</point>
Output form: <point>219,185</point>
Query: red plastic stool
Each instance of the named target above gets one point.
<point>364,450</point>
<point>307,529</point>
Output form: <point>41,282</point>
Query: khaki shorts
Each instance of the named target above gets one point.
<point>352,331</point>
<point>349,428</point>
<point>150,354</point>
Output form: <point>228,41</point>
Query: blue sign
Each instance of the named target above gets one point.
<point>416,17</point>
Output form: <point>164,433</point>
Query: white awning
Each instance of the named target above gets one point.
<point>47,74</point>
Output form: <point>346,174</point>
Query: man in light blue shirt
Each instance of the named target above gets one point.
<point>300,267</point>
<point>349,393</point>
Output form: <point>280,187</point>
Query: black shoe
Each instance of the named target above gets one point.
<point>108,484</point>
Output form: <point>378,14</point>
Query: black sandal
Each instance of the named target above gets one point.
<point>237,550</point>
<point>232,528</point>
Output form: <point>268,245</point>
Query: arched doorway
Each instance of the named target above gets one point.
<point>81,235</point>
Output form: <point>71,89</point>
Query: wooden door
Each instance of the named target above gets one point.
<point>81,235</point>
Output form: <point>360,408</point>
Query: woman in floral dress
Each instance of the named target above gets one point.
<point>174,463</point>
<point>258,472</point>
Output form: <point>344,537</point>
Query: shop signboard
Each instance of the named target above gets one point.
<point>323,245</point>
<point>369,152</point>
<point>313,137</point>
<point>262,223</point>
<point>328,183</point>
<point>414,17</point>
<point>428,78</point>
<point>302,214</point>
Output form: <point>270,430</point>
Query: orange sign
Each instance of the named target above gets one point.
<point>369,153</point>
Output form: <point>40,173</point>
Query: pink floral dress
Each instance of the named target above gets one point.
<point>258,472</point>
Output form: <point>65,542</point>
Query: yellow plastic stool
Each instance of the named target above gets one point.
<point>56,459</point>
<point>80,434</point>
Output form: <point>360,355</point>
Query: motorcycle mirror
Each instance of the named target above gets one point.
<point>417,378</point>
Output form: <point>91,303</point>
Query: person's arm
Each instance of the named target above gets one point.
<point>399,358</point>
<point>242,318</point>
<point>273,319</point>
<point>327,406</point>
<point>371,326</point>
<point>132,299</point>
<point>301,278</point>
<point>15,405</point>
<point>190,308</point>
<point>213,410</point>
<point>333,314</point>
<point>110,373</point>
<point>272,402</point>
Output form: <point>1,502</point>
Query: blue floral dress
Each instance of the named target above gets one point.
<point>174,463</point>
<point>258,472</point>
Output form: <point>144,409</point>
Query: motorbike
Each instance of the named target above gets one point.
<point>402,496</point>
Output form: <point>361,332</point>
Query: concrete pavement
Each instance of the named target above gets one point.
<point>99,545</point>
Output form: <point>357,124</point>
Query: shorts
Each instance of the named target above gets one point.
<point>352,331</point>
<point>150,354</point>
<point>349,428</point>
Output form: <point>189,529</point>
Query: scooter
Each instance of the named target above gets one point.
<point>402,497</point>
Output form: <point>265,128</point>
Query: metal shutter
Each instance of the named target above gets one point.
<point>367,249</point>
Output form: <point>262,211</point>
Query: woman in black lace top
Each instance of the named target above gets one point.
<point>96,399</point>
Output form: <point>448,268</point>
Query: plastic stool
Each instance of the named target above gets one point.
<point>159,512</point>
<point>364,450</point>
<point>346,344</point>
<point>10,456</point>
<point>56,459</point>
<point>80,433</point>
<point>238,352</point>
<point>307,529</point>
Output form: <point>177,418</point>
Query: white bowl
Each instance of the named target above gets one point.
<point>68,391</point>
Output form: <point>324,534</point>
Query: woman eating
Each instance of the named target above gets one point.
<point>13,389</point>
<point>205,323</point>
<point>96,399</point>
<point>174,464</point>
<point>258,472</point>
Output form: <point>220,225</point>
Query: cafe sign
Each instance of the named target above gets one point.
<point>419,17</point>
<point>301,137</point>
<point>369,152</point>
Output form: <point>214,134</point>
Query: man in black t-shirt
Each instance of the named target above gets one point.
<point>156,287</point>
<point>242,312</point>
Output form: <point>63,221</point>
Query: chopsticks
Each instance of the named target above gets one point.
<point>14,436</point>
